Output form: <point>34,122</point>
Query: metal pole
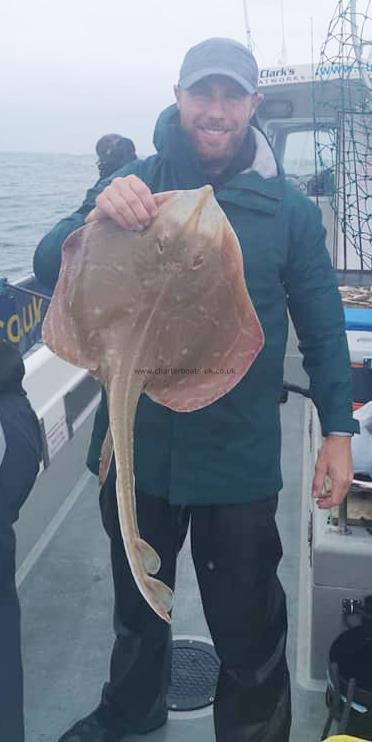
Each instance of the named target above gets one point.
<point>284,46</point>
<point>247,27</point>
<point>342,518</point>
<point>358,45</point>
<point>315,132</point>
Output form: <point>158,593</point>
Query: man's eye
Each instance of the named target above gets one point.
<point>235,95</point>
<point>200,93</point>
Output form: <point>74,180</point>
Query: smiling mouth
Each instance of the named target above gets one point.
<point>213,132</point>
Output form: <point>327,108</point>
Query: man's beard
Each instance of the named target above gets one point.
<point>216,164</point>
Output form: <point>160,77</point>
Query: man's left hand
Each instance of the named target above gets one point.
<point>333,471</point>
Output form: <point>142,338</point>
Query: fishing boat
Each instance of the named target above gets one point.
<point>63,560</point>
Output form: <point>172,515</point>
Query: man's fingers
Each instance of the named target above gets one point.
<point>118,207</point>
<point>129,202</point>
<point>98,214</point>
<point>132,193</point>
<point>322,487</point>
<point>333,494</point>
<point>333,472</point>
<point>148,200</point>
<point>326,502</point>
<point>110,211</point>
<point>134,208</point>
<point>92,216</point>
<point>318,481</point>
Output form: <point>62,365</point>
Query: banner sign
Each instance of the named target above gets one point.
<point>292,74</point>
<point>22,309</point>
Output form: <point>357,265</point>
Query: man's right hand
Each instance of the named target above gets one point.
<point>129,202</point>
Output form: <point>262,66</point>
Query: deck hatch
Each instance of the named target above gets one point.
<point>195,668</point>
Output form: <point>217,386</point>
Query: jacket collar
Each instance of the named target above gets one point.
<point>264,163</point>
<point>259,186</point>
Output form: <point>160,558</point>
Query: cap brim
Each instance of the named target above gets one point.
<point>189,80</point>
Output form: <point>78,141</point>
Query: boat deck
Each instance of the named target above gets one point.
<point>66,603</point>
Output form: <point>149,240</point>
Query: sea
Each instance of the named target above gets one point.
<point>36,191</point>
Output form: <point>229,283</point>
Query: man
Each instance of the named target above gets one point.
<point>219,467</point>
<point>20,453</point>
<point>113,151</point>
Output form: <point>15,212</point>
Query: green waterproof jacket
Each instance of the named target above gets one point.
<point>229,452</point>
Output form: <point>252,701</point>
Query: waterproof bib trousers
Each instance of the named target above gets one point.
<point>236,550</point>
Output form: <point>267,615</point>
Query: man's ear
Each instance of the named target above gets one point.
<point>176,90</point>
<point>258,98</point>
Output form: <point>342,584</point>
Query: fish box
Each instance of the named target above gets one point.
<point>335,565</point>
<point>359,335</point>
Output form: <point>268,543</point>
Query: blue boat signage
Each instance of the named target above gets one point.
<point>22,309</point>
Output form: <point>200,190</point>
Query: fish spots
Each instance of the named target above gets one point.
<point>160,245</point>
<point>184,351</point>
<point>197,262</point>
<point>97,311</point>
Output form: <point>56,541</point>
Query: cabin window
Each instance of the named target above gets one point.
<point>299,161</point>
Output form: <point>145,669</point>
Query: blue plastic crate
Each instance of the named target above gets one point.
<point>358,319</point>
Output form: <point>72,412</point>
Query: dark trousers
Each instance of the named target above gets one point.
<point>17,475</point>
<point>236,550</point>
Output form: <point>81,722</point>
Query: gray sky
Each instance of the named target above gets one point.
<point>72,70</point>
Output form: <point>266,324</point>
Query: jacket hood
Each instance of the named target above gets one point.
<point>167,121</point>
<point>170,140</point>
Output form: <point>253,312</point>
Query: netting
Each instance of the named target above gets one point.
<point>343,95</point>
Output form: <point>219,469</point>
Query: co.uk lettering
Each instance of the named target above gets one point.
<point>21,323</point>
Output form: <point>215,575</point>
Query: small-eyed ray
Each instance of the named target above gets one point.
<point>164,311</point>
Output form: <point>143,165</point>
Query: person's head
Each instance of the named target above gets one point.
<point>216,97</point>
<point>12,369</point>
<point>114,151</point>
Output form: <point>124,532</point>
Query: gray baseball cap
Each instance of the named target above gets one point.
<point>219,56</point>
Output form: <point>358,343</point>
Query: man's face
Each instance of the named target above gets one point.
<point>215,113</point>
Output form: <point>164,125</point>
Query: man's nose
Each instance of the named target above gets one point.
<point>216,106</point>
